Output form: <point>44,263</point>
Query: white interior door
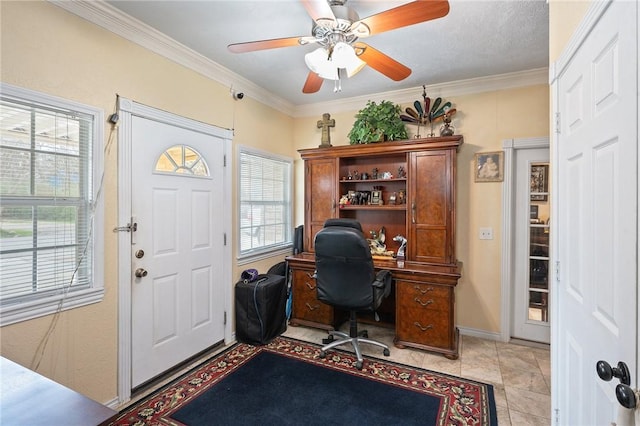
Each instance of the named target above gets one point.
<point>177,250</point>
<point>597,216</point>
<point>530,304</point>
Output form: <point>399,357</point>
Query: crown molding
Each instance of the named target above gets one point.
<point>119,23</point>
<point>452,88</point>
<point>114,20</point>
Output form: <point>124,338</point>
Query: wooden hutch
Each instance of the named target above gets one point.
<point>422,181</point>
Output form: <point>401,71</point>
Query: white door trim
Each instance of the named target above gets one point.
<point>127,109</point>
<point>508,225</point>
<point>637,381</point>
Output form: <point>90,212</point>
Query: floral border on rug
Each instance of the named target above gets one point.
<point>463,401</point>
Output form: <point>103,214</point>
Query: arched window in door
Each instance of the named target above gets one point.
<point>182,159</point>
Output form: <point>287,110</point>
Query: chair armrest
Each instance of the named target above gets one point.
<point>382,284</point>
<point>381,278</point>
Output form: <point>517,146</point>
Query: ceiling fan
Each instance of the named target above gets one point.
<point>337,28</point>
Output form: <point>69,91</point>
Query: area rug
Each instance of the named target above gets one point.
<point>287,383</point>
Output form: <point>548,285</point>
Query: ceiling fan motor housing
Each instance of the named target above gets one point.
<point>329,31</point>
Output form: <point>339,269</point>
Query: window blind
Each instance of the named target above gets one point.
<point>265,202</point>
<point>45,200</point>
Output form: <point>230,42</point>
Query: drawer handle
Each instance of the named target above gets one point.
<point>417,324</point>
<point>427,303</point>
<point>312,308</point>
<point>310,286</point>
<point>423,291</point>
<point>413,212</point>
<point>312,276</point>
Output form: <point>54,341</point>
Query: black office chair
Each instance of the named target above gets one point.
<point>346,279</point>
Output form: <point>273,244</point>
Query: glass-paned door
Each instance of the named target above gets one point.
<point>530,286</point>
<point>539,219</point>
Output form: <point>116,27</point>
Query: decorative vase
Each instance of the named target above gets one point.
<point>446,130</point>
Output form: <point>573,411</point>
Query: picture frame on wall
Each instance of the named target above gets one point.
<point>489,166</point>
<point>539,182</point>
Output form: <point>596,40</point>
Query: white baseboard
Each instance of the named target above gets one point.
<point>482,334</point>
<point>113,404</point>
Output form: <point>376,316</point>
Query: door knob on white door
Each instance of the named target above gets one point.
<point>625,395</point>
<point>140,273</point>
<point>606,372</point>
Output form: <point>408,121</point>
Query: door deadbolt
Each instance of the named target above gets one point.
<point>139,254</point>
<point>140,273</point>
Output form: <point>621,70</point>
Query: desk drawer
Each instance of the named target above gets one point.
<point>424,290</point>
<point>425,327</point>
<point>306,306</point>
<point>424,314</point>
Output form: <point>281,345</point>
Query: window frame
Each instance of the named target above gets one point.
<point>279,249</point>
<point>18,310</point>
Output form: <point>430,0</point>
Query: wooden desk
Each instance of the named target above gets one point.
<point>28,398</point>
<point>423,311</point>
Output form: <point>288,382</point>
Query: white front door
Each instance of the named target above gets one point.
<point>177,250</point>
<point>597,217</point>
<point>530,304</point>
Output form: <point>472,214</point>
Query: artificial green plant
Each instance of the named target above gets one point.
<point>378,122</point>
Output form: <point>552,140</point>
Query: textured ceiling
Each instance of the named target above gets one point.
<point>476,39</point>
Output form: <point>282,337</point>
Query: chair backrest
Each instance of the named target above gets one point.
<point>347,223</point>
<point>344,267</point>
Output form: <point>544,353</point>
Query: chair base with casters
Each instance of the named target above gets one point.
<point>355,338</point>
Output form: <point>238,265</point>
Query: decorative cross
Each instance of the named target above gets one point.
<point>325,123</point>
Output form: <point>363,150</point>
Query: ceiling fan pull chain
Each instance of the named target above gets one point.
<point>337,84</point>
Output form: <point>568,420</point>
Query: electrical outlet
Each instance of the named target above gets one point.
<point>486,233</point>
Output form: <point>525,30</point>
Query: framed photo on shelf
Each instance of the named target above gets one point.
<point>539,182</point>
<point>376,197</point>
<point>489,166</point>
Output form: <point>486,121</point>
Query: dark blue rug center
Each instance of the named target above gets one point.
<point>271,389</point>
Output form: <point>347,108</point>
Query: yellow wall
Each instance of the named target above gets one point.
<point>485,120</point>
<point>45,48</point>
<point>564,18</point>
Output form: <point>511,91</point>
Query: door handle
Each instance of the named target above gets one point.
<point>625,395</point>
<point>606,372</point>
<point>413,212</point>
<point>140,273</point>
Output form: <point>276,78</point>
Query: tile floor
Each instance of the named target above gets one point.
<point>520,375</point>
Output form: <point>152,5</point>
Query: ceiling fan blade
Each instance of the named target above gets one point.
<point>252,46</point>
<point>313,83</point>
<point>405,15</point>
<point>318,9</point>
<point>381,62</point>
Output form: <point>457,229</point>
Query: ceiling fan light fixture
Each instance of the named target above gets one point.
<point>318,61</point>
<point>329,73</point>
<point>344,56</point>
<point>326,64</point>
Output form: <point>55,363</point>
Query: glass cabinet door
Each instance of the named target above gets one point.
<point>539,209</point>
